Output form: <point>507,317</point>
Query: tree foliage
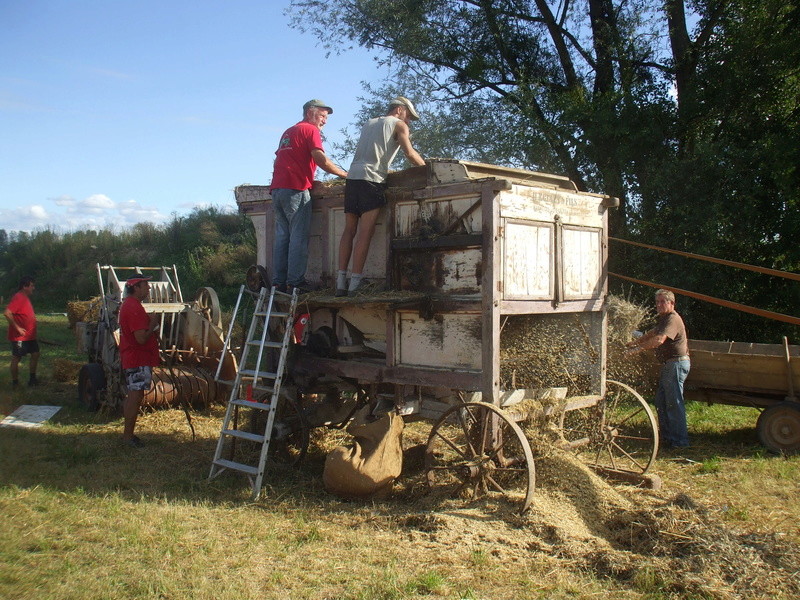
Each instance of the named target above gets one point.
<point>209,247</point>
<point>685,110</point>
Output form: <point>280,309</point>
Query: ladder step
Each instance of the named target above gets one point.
<point>251,373</point>
<point>266,344</point>
<point>272,315</point>
<point>249,404</point>
<point>229,464</point>
<point>244,435</point>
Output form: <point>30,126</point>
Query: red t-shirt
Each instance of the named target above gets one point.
<point>22,310</point>
<point>132,317</point>
<point>294,166</point>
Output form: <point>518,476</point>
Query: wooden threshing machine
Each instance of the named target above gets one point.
<point>488,310</point>
<point>191,343</point>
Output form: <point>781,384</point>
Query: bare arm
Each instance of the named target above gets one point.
<point>649,340</point>
<point>326,164</point>
<point>10,318</point>
<point>403,137</point>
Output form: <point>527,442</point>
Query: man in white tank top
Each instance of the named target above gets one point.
<point>380,140</point>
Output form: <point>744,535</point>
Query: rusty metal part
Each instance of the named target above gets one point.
<point>475,449</point>
<point>177,384</point>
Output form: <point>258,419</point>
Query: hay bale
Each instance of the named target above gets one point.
<point>66,370</point>
<point>83,311</point>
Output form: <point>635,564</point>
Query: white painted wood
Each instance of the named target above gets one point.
<point>528,260</point>
<point>375,267</point>
<point>582,263</point>
<point>543,205</point>
<point>447,341</point>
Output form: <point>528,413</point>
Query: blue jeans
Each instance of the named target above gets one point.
<point>669,403</point>
<point>292,210</point>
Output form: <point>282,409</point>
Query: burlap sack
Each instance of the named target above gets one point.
<point>368,467</point>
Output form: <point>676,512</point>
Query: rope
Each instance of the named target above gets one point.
<point>726,303</point>
<point>719,261</point>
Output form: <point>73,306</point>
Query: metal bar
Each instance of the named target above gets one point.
<point>719,261</point>
<point>726,303</point>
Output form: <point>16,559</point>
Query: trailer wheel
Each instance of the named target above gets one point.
<point>779,428</point>
<point>475,449</point>
<point>91,381</point>
<point>620,432</point>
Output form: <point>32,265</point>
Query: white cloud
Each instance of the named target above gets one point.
<point>96,204</point>
<point>66,213</point>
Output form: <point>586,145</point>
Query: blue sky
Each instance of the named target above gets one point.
<point>115,112</point>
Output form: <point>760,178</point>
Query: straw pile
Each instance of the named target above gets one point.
<point>83,311</point>
<point>66,370</point>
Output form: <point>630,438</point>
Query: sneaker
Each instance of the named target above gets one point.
<point>134,442</point>
<point>340,293</point>
<point>361,287</point>
<point>304,287</point>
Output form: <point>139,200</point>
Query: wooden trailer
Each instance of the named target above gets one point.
<point>487,308</point>
<point>765,376</point>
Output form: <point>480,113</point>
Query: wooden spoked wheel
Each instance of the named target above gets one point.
<point>256,278</point>
<point>620,432</point>
<point>475,449</point>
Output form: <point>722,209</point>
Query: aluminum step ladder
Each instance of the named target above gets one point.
<point>253,376</point>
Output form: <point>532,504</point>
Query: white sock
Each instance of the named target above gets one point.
<point>341,280</point>
<point>355,279</point>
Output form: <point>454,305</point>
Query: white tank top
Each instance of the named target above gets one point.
<point>376,150</point>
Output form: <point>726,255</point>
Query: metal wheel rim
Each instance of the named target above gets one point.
<point>620,432</point>
<point>462,456</point>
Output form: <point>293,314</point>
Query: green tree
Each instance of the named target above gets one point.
<point>688,112</point>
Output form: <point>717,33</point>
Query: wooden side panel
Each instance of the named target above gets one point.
<point>415,219</point>
<point>528,260</point>
<point>375,267</point>
<point>449,271</point>
<point>583,276</point>
<point>742,372</point>
<point>450,341</point>
<point>544,205</point>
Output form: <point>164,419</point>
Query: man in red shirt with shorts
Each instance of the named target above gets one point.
<point>22,330</point>
<point>138,350</point>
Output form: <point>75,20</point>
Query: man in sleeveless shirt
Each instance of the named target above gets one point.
<point>669,340</point>
<point>378,144</point>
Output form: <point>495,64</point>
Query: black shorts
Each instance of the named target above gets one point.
<point>20,349</point>
<point>362,196</point>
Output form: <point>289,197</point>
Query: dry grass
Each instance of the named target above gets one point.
<point>85,517</point>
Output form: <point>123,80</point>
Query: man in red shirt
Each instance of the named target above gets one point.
<point>22,330</point>
<point>298,155</point>
<point>138,350</point>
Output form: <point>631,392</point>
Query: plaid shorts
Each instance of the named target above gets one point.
<point>139,378</point>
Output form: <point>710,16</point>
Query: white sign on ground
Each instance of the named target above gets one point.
<point>29,415</point>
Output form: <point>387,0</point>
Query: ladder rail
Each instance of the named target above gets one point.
<point>256,473</point>
<point>227,342</point>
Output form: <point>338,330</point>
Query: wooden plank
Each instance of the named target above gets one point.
<point>492,270</point>
<point>539,204</point>
<point>471,240</point>
<point>526,307</point>
<point>373,372</point>
<point>583,277</point>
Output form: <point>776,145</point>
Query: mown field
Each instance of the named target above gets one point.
<point>86,517</point>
